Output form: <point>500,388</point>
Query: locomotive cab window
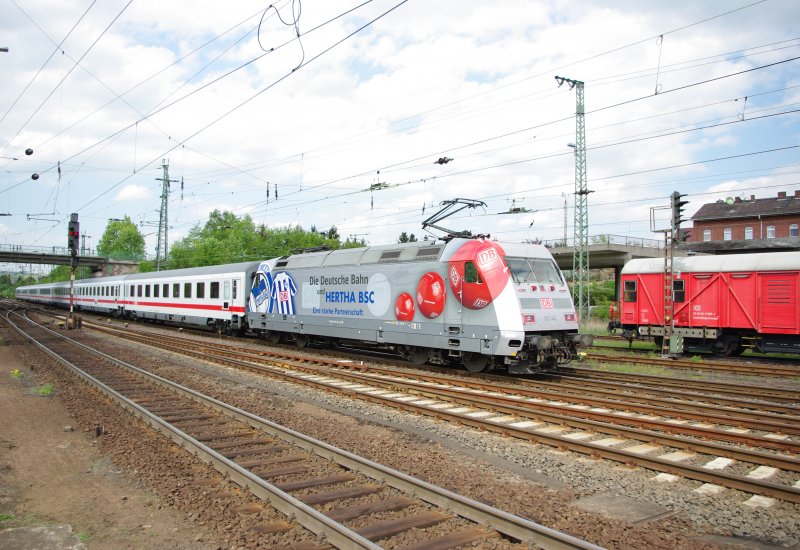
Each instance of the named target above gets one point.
<point>534,270</point>
<point>629,291</point>
<point>678,290</point>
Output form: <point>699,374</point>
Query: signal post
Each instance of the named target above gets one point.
<point>671,344</point>
<point>73,243</point>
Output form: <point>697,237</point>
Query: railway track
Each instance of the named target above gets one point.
<point>688,438</point>
<point>755,366</point>
<point>292,471</point>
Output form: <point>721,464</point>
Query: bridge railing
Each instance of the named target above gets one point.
<point>607,238</point>
<point>55,250</point>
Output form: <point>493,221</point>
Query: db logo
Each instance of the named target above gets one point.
<point>486,256</point>
<point>480,304</point>
<point>547,303</point>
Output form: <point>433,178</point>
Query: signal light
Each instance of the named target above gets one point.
<point>677,208</point>
<point>682,235</point>
<point>73,234</point>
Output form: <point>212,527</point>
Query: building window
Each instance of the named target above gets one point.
<point>706,234</point>
<point>770,231</point>
<point>726,234</point>
<point>748,233</point>
<point>793,230</point>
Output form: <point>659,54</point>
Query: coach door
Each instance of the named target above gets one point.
<point>778,302</point>
<point>226,295</point>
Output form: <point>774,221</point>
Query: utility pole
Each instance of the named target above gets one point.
<point>161,246</point>
<point>565,218</point>
<point>580,258</point>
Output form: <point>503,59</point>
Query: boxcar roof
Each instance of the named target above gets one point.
<point>770,261</point>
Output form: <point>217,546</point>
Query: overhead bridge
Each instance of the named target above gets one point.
<point>54,255</point>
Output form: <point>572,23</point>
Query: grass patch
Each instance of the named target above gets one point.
<point>7,517</point>
<point>16,374</point>
<point>44,390</point>
<point>84,537</point>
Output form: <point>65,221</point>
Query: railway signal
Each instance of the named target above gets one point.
<point>73,234</point>
<point>677,209</point>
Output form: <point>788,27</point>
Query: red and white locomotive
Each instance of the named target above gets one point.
<point>722,304</point>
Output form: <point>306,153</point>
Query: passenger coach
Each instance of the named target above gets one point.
<point>723,304</point>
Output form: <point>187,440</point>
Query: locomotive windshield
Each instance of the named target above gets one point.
<point>534,270</point>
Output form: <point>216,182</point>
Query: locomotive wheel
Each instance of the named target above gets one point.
<point>301,340</point>
<point>273,337</point>
<point>417,355</point>
<point>475,362</point>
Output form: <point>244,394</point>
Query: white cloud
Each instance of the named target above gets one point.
<point>464,79</point>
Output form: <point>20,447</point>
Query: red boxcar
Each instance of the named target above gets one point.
<point>723,304</point>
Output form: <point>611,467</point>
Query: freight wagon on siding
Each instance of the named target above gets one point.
<point>723,304</point>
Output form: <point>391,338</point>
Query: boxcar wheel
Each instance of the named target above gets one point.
<point>475,362</point>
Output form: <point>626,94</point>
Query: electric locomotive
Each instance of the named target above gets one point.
<point>469,301</point>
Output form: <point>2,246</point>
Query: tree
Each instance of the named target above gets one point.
<point>406,238</point>
<point>122,241</point>
<point>226,238</point>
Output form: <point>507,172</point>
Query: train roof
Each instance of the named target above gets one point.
<point>398,252</point>
<point>191,271</point>
<point>768,261</point>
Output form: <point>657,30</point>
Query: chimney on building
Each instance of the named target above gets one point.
<point>797,193</point>
<point>753,198</point>
<point>737,200</point>
<point>781,194</point>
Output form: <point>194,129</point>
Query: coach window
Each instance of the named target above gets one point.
<point>629,291</point>
<point>139,291</point>
<point>201,290</point>
<point>213,290</point>
<point>678,290</point>
<point>748,233</point>
<point>793,230</point>
<point>176,290</point>
<point>155,291</point>
<point>165,290</point>
<point>187,290</point>
<point>234,288</point>
<point>146,291</point>
<point>770,231</point>
<point>726,234</point>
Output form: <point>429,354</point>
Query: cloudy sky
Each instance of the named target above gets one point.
<point>699,97</point>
